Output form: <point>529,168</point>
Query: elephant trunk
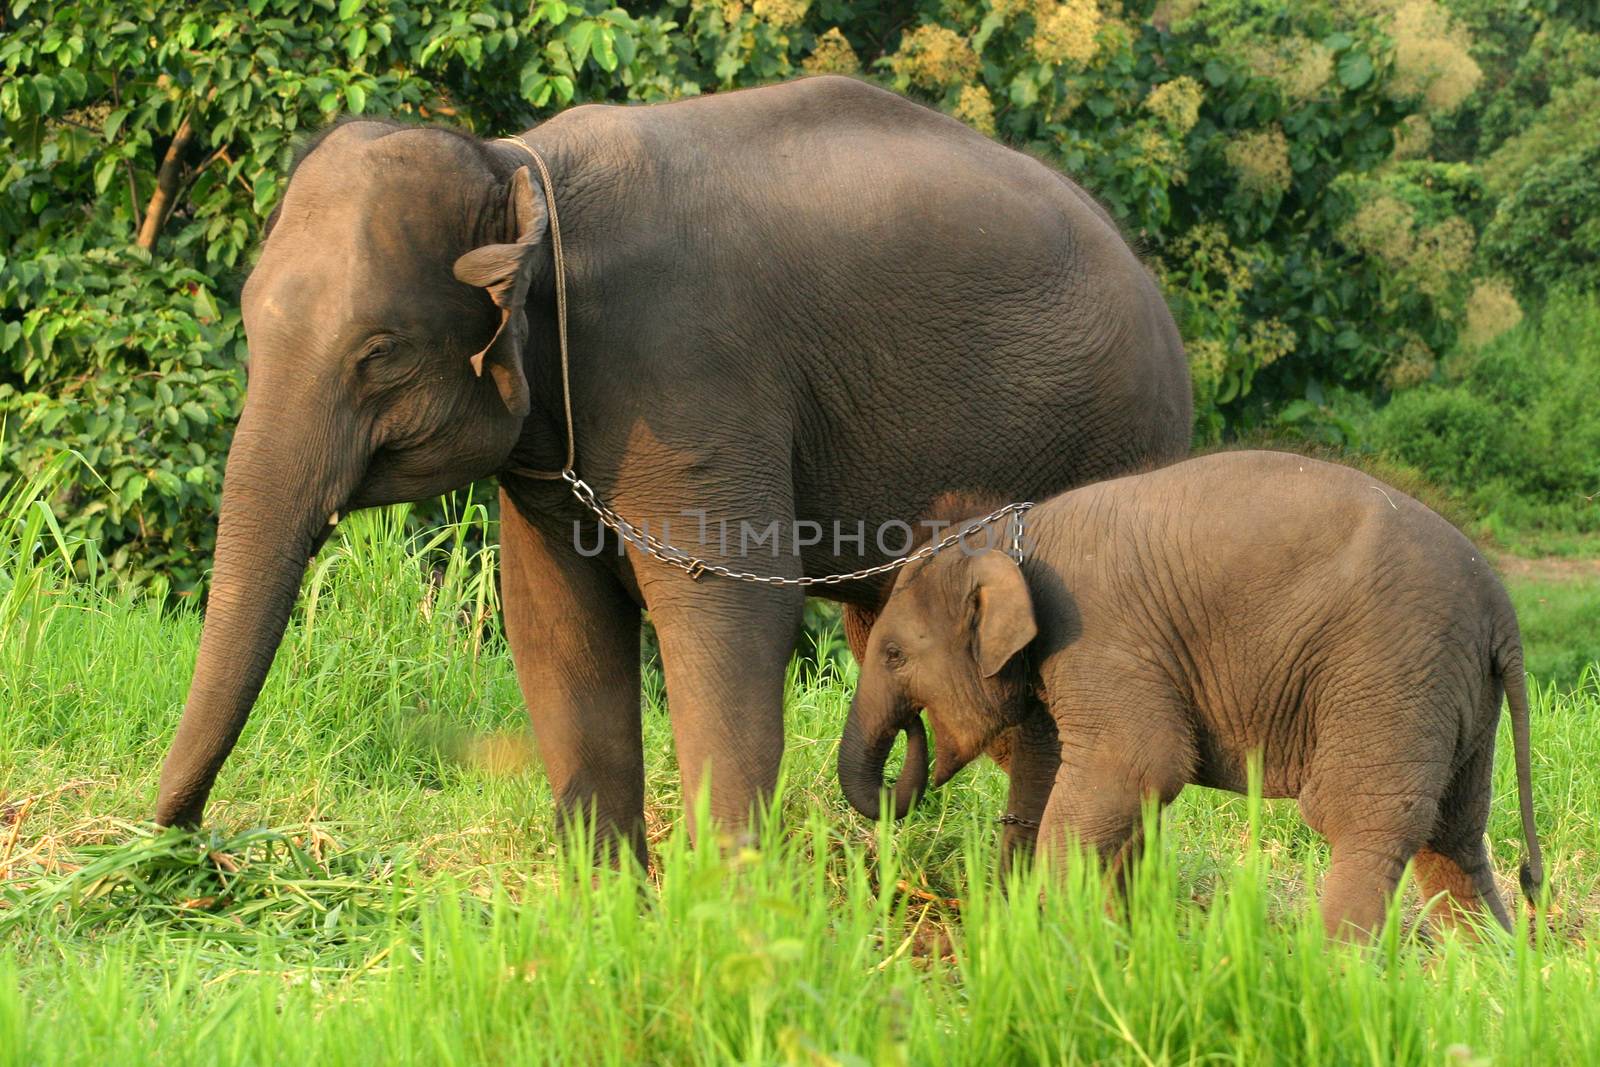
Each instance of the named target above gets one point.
<point>869,733</point>
<point>275,515</point>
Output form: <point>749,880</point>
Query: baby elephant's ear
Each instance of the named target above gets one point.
<point>504,271</point>
<point>1004,623</point>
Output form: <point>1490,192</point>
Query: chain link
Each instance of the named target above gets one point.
<point>695,567</point>
<point>651,545</point>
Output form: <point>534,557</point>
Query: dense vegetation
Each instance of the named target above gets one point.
<point>382,883</point>
<point>1512,429</point>
<point>1336,193</point>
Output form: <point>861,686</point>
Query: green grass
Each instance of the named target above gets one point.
<point>411,903</point>
<point>1560,622</point>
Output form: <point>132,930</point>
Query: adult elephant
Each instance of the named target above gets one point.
<point>809,302</point>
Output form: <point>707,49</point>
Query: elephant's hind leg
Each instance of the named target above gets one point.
<point>1374,796</point>
<point>1465,877</point>
<point>1455,862</point>
<point>1374,828</point>
<point>1361,881</point>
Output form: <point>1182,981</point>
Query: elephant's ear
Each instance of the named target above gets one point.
<point>1003,623</point>
<point>504,272</point>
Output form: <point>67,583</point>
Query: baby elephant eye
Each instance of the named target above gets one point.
<point>894,655</point>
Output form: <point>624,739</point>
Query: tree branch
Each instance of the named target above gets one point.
<point>133,195</point>
<point>127,164</point>
<point>167,180</point>
<point>194,175</point>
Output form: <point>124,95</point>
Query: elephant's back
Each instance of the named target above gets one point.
<point>928,309</point>
<point>1287,599</point>
<point>830,162</point>
<point>804,126</point>
<point>1271,540</point>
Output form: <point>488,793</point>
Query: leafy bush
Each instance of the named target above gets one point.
<point>1547,232</point>
<point>1530,131</point>
<point>1249,148</point>
<point>144,390</point>
<point>1530,52</point>
<point>1517,438</point>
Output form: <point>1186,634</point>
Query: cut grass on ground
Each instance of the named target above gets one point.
<point>412,903</point>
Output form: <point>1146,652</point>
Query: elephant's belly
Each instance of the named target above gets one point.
<point>1227,763</point>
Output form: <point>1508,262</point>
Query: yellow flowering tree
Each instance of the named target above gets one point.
<point>1272,157</point>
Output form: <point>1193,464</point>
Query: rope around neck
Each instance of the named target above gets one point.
<point>653,546</point>
<point>560,263</point>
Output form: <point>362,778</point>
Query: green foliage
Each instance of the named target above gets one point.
<point>143,144</point>
<point>1531,52</point>
<point>1560,627</point>
<point>145,391</point>
<point>1516,438</point>
<point>1531,130</point>
<point>1546,234</point>
<point>1561,127</point>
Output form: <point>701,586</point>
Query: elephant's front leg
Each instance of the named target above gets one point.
<point>574,634</point>
<point>1120,749</point>
<point>1030,753</point>
<point>725,647</point>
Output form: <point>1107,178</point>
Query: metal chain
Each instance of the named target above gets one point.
<point>695,567</point>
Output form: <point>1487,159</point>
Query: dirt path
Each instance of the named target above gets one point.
<point>1548,568</point>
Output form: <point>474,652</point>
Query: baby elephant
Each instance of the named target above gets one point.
<point>1177,622</point>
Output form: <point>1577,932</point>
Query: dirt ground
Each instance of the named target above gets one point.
<point>1548,568</point>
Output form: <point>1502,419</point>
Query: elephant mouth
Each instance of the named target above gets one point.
<point>949,757</point>
<point>324,532</point>
<point>912,782</point>
<point>863,759</point>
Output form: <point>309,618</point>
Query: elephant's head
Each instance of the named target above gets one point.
<point>946,642</point>
<point>387,330</point>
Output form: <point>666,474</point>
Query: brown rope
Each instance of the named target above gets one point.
<point>561,312</point>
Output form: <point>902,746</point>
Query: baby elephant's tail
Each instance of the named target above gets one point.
<point>1508,662</point>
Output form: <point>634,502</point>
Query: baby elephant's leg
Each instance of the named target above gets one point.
<point>1375,822</point>
<point>1455,861</point>
<point>1030,754</point>
<point>1463,873</point>
<point>1107,770</point>
<point>1363,876</point>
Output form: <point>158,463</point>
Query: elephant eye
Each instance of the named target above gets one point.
<point>894,655</point>
<point>377,348</point>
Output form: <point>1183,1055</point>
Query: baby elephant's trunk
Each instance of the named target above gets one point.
<point>869,734</point>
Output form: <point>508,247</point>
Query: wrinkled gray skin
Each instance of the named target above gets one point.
<point>1178,621</point>
<point>814,301</point>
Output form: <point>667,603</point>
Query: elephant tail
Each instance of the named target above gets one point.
<point>1508,663</point>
